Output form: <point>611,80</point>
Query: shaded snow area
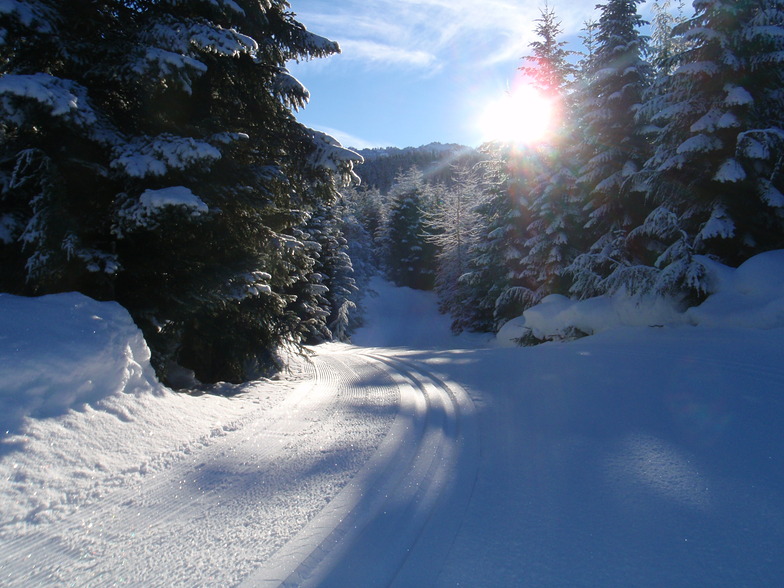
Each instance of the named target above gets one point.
<point>751,296</point>
<point>649,454</point>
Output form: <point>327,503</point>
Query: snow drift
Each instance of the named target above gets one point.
<point>63,351</point>
<point>750,296</point>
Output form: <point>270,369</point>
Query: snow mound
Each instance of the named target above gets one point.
<point>63,351</point>
<point>750,296</point>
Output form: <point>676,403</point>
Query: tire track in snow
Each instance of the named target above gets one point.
<point>396,520</point>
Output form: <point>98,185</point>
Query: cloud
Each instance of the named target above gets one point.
<point>384,53</point>
<point>421,34</point>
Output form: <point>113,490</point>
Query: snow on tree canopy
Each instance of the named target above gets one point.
<point>8,228</point>
<point>250,285</point>
<point>222,4</point>
<point>700,143</point>
<point>145,212</point>
<point>316,45</point>
<point>30,14</point>
<point>289,90</point>
<point>157,156</point>
<point>730,171</point>
<point>697,68</point>
<point>216,39</point>
<point>63,98</point>
<point>719,225</point>
<point>152,200</point>
<point>770,194</point>
<point>329,154</point>
<point>737,96</point>
<point>169,68</point>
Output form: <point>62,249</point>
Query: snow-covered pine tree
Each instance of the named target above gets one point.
<point>453,227</point>
<point>614,150</point>
<point>548,67</point>
<point>152,157</point>
<point>719,114</point>
<point>552,195</point>
<point>334,272</point>
<point>491,291</point>
<point>409,256</point>
<point>663,44</point>
<point>361,218</point>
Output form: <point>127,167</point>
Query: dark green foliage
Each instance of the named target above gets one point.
<point>150,156</point>
<point>409,256</point>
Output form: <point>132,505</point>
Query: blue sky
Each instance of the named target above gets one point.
<point>416,71</point>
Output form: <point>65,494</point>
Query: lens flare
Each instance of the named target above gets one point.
<point>523,116</point>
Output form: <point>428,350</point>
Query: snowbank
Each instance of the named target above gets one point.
<point>81,411</point>
<point>63,351</point>
<point>750,296</point>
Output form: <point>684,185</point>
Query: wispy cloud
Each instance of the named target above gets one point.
<point>384,53</point>
<point>426,34</point>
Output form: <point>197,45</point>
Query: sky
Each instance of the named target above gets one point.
<point>416,71</point>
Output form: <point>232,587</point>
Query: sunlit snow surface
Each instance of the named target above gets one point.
<point>640,456</point>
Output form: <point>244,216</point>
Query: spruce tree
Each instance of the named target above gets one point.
<point>719,118</point>
<point>409,256</point>
<point>551,195</point>
<point>614,150</point>
<point>453,228</point>
<point>153,158</point>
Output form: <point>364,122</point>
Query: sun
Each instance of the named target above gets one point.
<point>523,116</point>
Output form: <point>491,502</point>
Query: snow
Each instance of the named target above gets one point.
<point>699,144</point>
<point>29,14</point>
<point>152,200</point>
<point>649,454</point>
<point>329,154</point>
<point>63,98</point>
<point>8,227</point>
<point>158,156</point>
<point>388,322</point>
<point>737,96</point>
<point>226,42</point>
<point>62,351</point>
<point>751,296</point>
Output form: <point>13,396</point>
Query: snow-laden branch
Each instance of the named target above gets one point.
<point>156,156</point>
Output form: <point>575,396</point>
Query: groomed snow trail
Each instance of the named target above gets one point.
<point>395,521</point>
<point>333,486</point>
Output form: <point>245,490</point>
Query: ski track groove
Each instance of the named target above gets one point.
<point>87,547</point>
<point>416,496</point>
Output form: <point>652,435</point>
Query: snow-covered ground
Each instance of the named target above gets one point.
<point>649,454</point>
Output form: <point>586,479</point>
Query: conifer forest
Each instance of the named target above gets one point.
<point>150,154</point>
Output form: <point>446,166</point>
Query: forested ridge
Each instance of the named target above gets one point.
<point>150,154</point>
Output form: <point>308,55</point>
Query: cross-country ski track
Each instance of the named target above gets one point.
<point>362,510</point>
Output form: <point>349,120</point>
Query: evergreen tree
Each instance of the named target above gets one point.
<point>663,42</point>
<point>548,67</point>
<point>334,272</point>
<point>452,227</point>
<point>151,156</point>
<point>719,118</point>
<point>551,196</point>
<point>614,150</point>
<point>409,256</point>
<point>490,286</point>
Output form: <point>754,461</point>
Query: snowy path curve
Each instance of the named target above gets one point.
<point>395,521</point>
<point>335,486</point>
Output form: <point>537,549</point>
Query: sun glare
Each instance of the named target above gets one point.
<point>521,116</point>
